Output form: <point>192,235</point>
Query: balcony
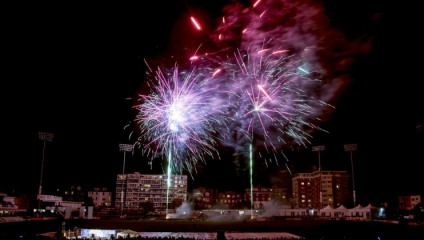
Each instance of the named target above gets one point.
<point>8,207</point>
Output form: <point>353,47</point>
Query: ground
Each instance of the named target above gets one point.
<point>307,228</point>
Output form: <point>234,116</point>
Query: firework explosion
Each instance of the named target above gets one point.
<point>177,118</point>
<point>271,103</point>
<point>285,63</point>
<point>275,66</point>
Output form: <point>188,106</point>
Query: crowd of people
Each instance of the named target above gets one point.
<point>188,238</point>
<point>42,237</point>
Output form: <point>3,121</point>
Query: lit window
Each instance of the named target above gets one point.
<point>302,183</point>
<point>303,200</point>
<point>303,196</point>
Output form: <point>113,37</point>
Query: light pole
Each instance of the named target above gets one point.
<point>350,148</point>
<point>43,137</point>
<point>125,148</point>
<point>319,149</point>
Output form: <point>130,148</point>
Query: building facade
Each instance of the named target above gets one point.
<point>280,194</point>
<point>7,205</point>
<point>230,198</point>
<point>208,198</point>
<point>262,195</point>
<point>26,201</point>
<point>409,202</point>
<point>74,194</point>
<point>306,189</point>
<point>100,196</point>
<point>135,188</point>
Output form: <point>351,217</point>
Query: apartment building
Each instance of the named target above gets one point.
<point>409,202</point>
<point>74,194</point>
<point>134,188</point>
<point>306,189</point>
<point>100,196</point>
<point>262,195</point>
<point>230,198</point>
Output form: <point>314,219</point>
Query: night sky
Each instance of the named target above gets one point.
<point>70,70</point>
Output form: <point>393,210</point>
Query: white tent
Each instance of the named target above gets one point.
<point>340,211</point>
<point>370,210</point>
<point>370,207</point>
<point>259,235</point>
<point>125,233</point>
<point>327,211</point>
<point>365,212</point>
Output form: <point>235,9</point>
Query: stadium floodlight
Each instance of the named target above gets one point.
<point>319,149</point>
<point>46,136</point>
<point>350,148</point>
<point>124,148</point>
<point>43,136</point>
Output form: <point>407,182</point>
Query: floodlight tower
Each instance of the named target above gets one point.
<point>125,148</point>
<point>350,148</point>
<point>319,149</point>
<point>43,136</point>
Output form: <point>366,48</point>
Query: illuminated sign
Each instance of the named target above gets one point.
<point>97,233</point>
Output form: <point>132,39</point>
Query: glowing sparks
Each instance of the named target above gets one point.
<point>303,70</point>
<point>195,23</point>
<point>216,72</point>
<point>254,91</point>
<point>266,94</point>
<point>254,5</point>
<point>280,51</point>
<point>177,119</point>
<point>263,50</point>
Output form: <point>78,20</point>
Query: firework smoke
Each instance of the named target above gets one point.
<point>278,66</point>
<point>286,64</point>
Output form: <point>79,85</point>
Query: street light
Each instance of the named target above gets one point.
<point>43,136</point>
<point>319,149</point>
<point>125,148</point>
<point>350,148</point>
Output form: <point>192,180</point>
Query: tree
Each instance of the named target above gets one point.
<point>146,207</point>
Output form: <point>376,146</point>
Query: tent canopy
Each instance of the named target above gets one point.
<point>358,207</point>
<point>370,207</point>
<point>341,208</point>
<point>126,232</point>
<point>328,208</point>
